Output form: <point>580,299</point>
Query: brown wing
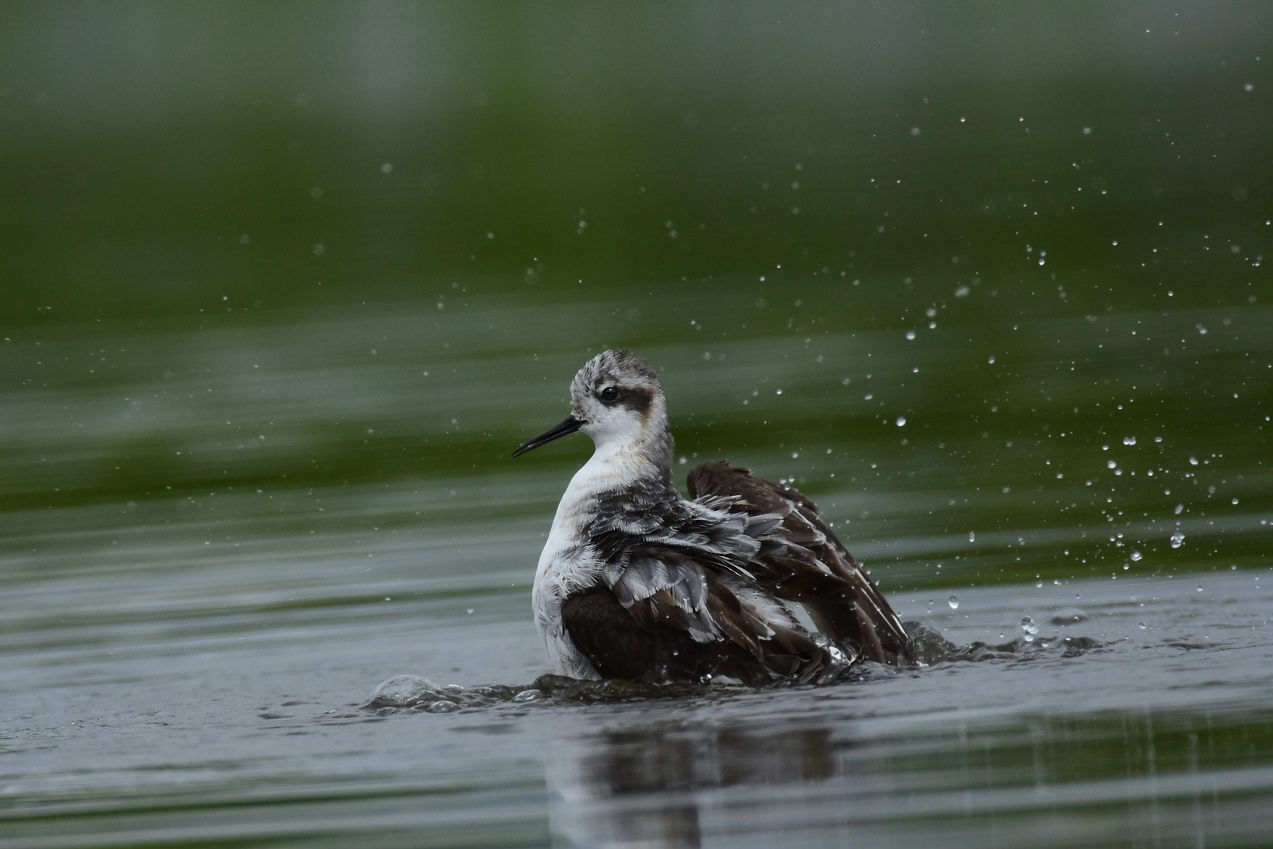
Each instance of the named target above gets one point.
<point>803,561</point>
<point>666,618</point>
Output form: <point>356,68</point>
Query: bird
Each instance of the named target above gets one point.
<point>639,582</point>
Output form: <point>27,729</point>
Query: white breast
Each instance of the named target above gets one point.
<point>568,564</point>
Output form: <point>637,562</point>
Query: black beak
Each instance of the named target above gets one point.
<point>569,426</point>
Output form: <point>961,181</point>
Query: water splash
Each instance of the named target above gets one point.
<point>925,646</point>
<point>413,693</point>
<point>1069,616</point>
<point>1020,649</point>
<point>1028,629</point>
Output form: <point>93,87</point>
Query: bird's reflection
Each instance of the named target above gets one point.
<point>645,785</point>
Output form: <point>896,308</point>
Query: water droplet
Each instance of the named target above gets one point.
<point>1029,629</point>
<point>954,602</point>
<point>910,335</point>
<point>1038,581</point>
<point>901,421</point>
<point>1136,555</point>
<point>1129,440</point>
<point>1141,625</point>
<point>1177,539</point>
<point>972,536</point>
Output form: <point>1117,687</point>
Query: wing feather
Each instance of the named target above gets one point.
<point>695,590</point>
<point>801,559</point>
<point>677,614</point>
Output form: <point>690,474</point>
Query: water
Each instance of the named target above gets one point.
<point>222,702</point>
<point>274,318</point>
<point>193,665</point>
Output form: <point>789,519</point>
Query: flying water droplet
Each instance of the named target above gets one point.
<point>1136,556</point>
<point>954,602</point>
<point>1129,440</point>
<point>1177,539</point>
<point>1029,629</point>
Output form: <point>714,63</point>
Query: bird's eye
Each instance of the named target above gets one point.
<point>609,395</point>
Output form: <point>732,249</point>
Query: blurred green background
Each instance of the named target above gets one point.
<point>979,246</point>
<point>159,159</point>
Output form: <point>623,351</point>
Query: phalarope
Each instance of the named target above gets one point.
<point>638,582</point>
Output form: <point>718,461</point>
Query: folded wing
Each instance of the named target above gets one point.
<point>663,613</point>
<point>801,560</point>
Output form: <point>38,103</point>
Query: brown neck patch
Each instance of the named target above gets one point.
<point>639,400</point>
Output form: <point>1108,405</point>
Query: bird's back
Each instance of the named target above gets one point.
<point>803,561</point>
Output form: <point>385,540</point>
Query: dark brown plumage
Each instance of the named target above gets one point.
<point>797,559</point>
<point>845,604</point>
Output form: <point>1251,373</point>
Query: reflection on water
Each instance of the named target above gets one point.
<point>1041,749</point>
<point>644,785</point>
<point>1130,777</point>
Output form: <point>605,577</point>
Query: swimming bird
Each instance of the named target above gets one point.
<point>638,582</point>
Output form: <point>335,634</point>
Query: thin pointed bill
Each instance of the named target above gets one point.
<point>569,426</point>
